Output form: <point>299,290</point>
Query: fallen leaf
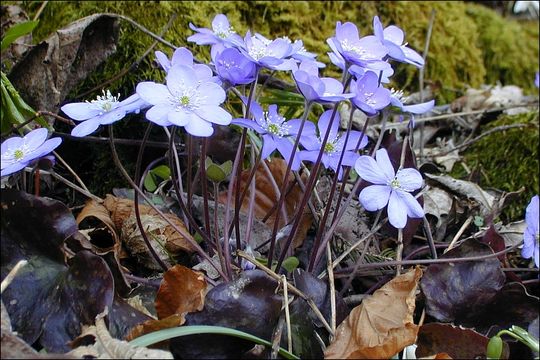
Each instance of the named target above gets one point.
<point>382,325</point>
<point>155,325</point>
<point>96,215</point>
<point>52,68</point>
<point>266,197</point>
<point>248,303</point>
<point>164,238</point>
<point>455,291</point>
<point>182,291</point>
<point>107,347</point>
<point>458,342</point>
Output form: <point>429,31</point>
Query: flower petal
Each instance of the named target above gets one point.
<point>409,179</point>
<point>414,209</point>
<point>268,147</point>
<point>153,93</point>
<point>285,148</point>
<point>85,128</point>
<point>215,114</point>
<point>47,147</point>
<point>182,56</point>
<point>384,163</point>
<point>12,168</point>
<point>80,111</point>
<point>180,117</point>
<point>369,170</point>
<point>354,137</point>
<point>179,78</point>
<point>394,34</point>
<point>12,143</point>
<point>199,127</point>
<point>35,138</point>
<point>397,211</point>
<point>158,113</point>
<point>374,197</point>
<point>250,124</point>
<point>211,93</point>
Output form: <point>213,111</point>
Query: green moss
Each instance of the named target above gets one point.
<point>508,160</point>
<point>467,47</point>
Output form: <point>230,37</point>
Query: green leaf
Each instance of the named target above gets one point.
<point>167,334</point>
<point>494,348</point>
<point>149,182</point>
<point>16,31</point>
<point>162,171</point>
<point>227,167</point>
<point>290,263</point>
<point>215,173</point>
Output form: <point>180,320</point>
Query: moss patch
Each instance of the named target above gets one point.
<point>467,47</point>
<point>508,160</point>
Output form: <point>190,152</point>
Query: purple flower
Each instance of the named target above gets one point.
<point>369,96</point>
<point>186,101</point>
<point>318,89</point>
<point>222,32</point>
<point>232,66</point>
<point>18,152</point>
<point>389,188</point>
<point>267,53</point>
<point>183,56</point>
<point>300,54</point>
<point>531,236</point>
<point>335,144</point>
<point>367,51</point>
<point>422,108</point>
<point>276,132</point>
<point>105,110</point>
<point>384,71</point>
<point>392,37</point>
<point>537,79</point>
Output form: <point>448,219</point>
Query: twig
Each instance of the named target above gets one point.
<point>428,261</point>
<point>399,250</point>
<point>459,233</point>
<point>73,186</point>
<point>79,180</point>
<point>451,115</point>
<point>11,275</point>
<point>484,134</point>
<point>331,286</point>
<point>40,10</point>
<point>421,78</point>
<point>143,29</point>
<point>291,288</point>
<point>134,65</point>
<point>287,315</point>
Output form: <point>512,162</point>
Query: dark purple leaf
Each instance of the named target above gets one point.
<point>459,343</point>
<point>317,290</point>
<point>456,291</point>
<point>248,304</point>
<point>512,305</point>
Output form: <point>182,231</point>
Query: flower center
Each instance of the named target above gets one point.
<point>395,183</point>
<point>398,94</point>
<point>347,46</point>
<point>274,125</point>
<point>329,147</point>
<point>259,50</point>
<point>107,102</point>
<point>223,32</point>
<point>18,154</point>
<point>184,100</point>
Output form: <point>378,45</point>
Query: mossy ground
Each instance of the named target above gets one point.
<point>468,48</point>
<point>507,160</point>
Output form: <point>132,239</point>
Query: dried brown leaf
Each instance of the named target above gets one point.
<point>155,325</point>
<point>93,209</point>
<point>182,290</point>
<point>266,197</point>
<point>381,325</point>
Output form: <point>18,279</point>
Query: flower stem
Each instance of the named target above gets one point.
<point>283,188</point>
<point>138,190</point>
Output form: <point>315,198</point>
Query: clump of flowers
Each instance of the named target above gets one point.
<point>18,152</point>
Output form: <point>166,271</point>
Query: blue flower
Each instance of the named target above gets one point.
<point>397,99</point>
<point>392,37</point>
<point>537,79</point>
<point>277,133</point>
<point>268,53</point>
<point>314,88</point>
<point>183,56</point>
<point>531,236</point>
<point>232,66</point>
<point>187,100</point>
<point>390,188</point>
<point>334,145</point>
<point>221,32</point>
<point>105,110</point>
<point>366,52</point>
<point>18,152</point>
<point>369,96</point>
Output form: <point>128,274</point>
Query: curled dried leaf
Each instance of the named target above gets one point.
<point>382,325</point>
<point>182,291</point>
